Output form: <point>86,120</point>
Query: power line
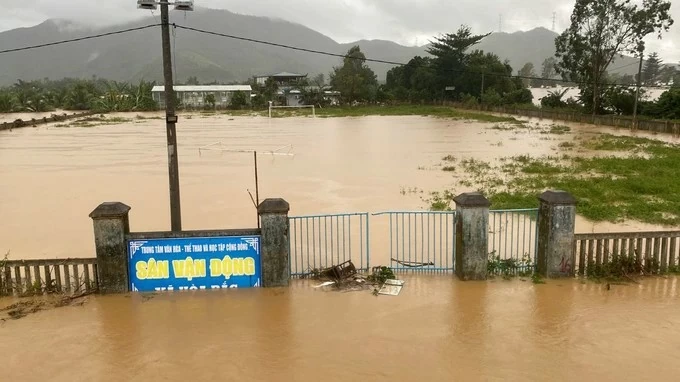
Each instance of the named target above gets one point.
<point>291,47</point>
<point>78,39</point>
<point>395,63</point>
<point>623,66</point>
<point>284,45</point>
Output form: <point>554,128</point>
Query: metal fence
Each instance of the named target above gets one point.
<point>658,251</point>
<point>421,241</point>
<point>320,241</point>
<point>513,235</point>
<point>31,277</point>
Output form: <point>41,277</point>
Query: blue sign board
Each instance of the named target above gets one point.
<point>190,263</point>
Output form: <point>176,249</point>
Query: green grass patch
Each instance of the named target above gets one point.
<point>642,186</point>
<point>509,267</point>
<point>557,129</point>
<point>608,142</point>
<point>513,200</point>
<point>95,121</point>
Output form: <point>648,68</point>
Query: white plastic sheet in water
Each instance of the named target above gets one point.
<point>391,287</point>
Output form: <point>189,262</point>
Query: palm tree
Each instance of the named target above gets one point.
<point>78,97</point>
<point>6,101</point>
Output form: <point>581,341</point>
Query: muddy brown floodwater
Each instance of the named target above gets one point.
<point>52,177</point>
<point>437,329</point>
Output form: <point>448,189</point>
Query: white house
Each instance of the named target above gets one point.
<point>194,96</point>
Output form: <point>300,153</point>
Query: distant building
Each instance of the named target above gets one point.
<point>290,89</point>
<point>294,97</point>
<point>195,96</point>
<point>282,79</point>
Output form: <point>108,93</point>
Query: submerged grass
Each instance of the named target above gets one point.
<point>94,121</point>
<point>433,111</point>
<point>641,186</point>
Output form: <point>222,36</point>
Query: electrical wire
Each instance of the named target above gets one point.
<point>78,39</point>
<point>296,48</point>
<point>395,63</point>
<point>624,66</point>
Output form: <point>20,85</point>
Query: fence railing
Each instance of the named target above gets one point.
<point>659,126</point>
<point>33,121</point>
<point>513,235</point>
<point>30,277</point>
<point>421,241</point>
<point>321,241</point>
<point>654,250</point>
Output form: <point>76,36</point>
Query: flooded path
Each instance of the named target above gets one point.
<point>52,177</point>
<point>436,329</point>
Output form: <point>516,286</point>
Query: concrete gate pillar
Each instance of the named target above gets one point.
<point>274,252</point>
<point>556,221</point>
<point>111,224</point>
<point>471,235</point>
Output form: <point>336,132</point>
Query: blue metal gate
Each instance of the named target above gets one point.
<point>421,241</point>
<point>513,235</point>
<point>416,241</point>
<point>321,241</point>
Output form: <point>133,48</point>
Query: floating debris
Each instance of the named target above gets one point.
<point>391,287</point>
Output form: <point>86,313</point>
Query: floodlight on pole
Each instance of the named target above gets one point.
<point>184,5</point>
<point>170,117</point>
<point>147,4</point>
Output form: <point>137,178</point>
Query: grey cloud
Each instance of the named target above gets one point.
<point>403,21</point>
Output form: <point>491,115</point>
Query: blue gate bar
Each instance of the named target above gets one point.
<point>421,241</point>
<point>512,235</point>
<point>321,241</point>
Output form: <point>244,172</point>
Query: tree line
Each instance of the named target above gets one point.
<point>600,32</point>
<point>77,94</point>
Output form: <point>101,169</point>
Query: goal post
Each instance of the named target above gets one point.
<point>272,107</point>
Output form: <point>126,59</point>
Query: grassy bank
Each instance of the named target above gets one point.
<point>424,110</point>
<point>621,178</point>
<point>362,111</point>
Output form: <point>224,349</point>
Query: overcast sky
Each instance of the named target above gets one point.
<point>407,22</point>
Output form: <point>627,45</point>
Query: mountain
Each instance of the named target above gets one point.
<point>535,46</point>
<point>521,47</point>
<point>137,55</point>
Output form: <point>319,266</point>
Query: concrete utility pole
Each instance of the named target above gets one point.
<point>170,122</point>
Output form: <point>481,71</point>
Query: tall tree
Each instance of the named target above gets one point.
<point>354,79</point>
<point>652,68</point>
<point>601,30</point>
<point>666,74</point>
<point>450,56</point>
<point>527,71</point>
<point>548,68</point>
<point>192,80</point>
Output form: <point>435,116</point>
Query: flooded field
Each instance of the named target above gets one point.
<point>436,329</point>
<point>54,175</point>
